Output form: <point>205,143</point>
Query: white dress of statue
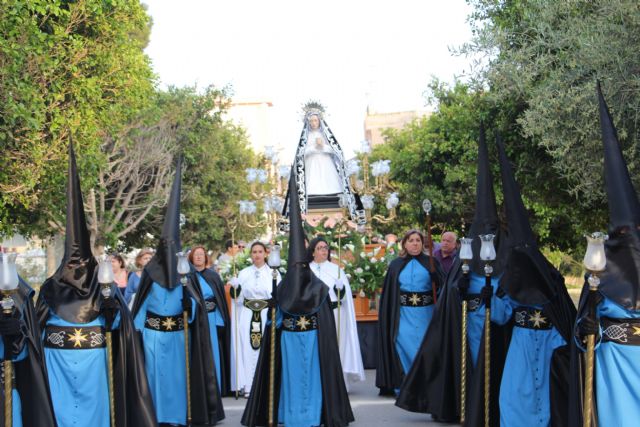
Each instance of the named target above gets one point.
<point>321,176</point>
<point>255,284</point>
<point>350,356</point>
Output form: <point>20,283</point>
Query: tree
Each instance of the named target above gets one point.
<point>66,68</point>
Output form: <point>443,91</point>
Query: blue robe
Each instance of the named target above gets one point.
<point>164,354</point>
<point>475,319</point>
<point>617,376</point>
<point>524,390</point>
<point>414,321</point>
<point>78,380</point>
<point>215,321</point>
<point>17,404</point>
<point>301,387</point>
<point>132,287</point>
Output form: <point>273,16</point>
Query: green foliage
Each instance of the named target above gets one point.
<point>65,68</point>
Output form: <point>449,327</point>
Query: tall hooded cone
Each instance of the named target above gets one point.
<point>529,278</point>
<point>624,209</point>
<point>620,281</point>
<point>163,267</point>
<point>300,292</point>
<point>73,292</point>
<point>485,218</point>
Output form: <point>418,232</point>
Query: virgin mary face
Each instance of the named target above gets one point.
<point>314,122</point>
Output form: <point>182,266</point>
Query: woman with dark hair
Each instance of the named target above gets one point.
<point>251,291</point>
<point>406,307</point>
<point>218,312</point>
<point>319,256</point>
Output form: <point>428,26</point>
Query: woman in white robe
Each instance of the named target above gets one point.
<point>335,278</point>
<point>253,286</point>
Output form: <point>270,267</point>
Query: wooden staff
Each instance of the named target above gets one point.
<point>587,409</point>
<point>463,358</point>
<point>432,269</point>
<point>235,308</point>
<point>185,322</point>
<point>487,347</point>
<point>272,359</point>
<point>106,293</point>
<point>339,271</point>
<point>7,365</point>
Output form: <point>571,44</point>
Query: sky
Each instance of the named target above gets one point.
<point>349,54</point>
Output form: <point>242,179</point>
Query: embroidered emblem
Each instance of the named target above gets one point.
<point>78,337</point>
<point>617,332</point>
<point>97,339</point>
<point>56,338</point>
<point>303,323</point>
<point>473,304</point>
<point>636,330</point>
<point>537,319</point>
<point>154,322</point>
<point>168,323</point>
<point>521,317</point>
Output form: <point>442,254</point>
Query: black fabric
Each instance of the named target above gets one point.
<point>72,292</point>
<point>368,338</point>
<point>336,409</point>
<point>620,282</point>
<point>163,266</point>
<point>206,402</point>
<point>389,372</point>
<point>485,218</point>
<point>224,332</point>
<point>133,402</point>
<point>299,292</point>
<point>54,337</point>
<point>31,380</point>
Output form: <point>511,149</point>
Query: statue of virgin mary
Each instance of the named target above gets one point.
<point>319,169</point>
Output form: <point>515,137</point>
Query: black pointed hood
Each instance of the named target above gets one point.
<point>73,291</point>
<point>621,279</point>
<point>528,278</point>
<point>485,218</point>
<point>300,292</point>
<point>163,267</point>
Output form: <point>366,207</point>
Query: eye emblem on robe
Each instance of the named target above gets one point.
<point>537,319</point>
<point>78,338</point>
<point>415,299</point>
<point>303,323</point>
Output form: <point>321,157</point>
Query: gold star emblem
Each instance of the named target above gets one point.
<point>636,330</point>
<point>168,323</point>
<point>415,299</point>
<point>78,337</point>
<point>303,323</point>
<point>537,319</point>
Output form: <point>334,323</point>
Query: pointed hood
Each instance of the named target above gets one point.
<point>621,280</point>
<point>529,278</point>
<point>624,209</point>
<point>300,292</point>
<point>72,292</point>
<point>485,218</point>
<point>163,267</point>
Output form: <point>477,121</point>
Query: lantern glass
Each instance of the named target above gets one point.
<point>8,272</point>
<point>595,258</point>
<point>183,263</point>
<point>466,254</point>
<point>274,256</point>
<point>487,250</point>
<point>105,271</point>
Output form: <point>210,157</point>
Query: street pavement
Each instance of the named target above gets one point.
<point>369,409</point>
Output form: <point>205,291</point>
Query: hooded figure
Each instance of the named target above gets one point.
<point>433,383</point>
<point>613,311</point>
<point>20,338</point>
<point>158,315</point>
<point>74,316</point>
<point>319,170</point>
<point>535,379</point>
<point>309,386</point>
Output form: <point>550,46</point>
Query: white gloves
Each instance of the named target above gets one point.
<point>234,282</point>
<point>341,282</point>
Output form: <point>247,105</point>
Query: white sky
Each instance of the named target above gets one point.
<point>348,54</point>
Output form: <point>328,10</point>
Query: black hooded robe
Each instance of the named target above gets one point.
<point>31,381</point>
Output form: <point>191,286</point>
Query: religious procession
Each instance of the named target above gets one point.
<point>161,268</point>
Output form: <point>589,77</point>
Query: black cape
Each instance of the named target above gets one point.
<point>336,410</point>
<point>30,375</point>
<point>224,332</point>
<point>389,372</point>
<point>206,402</point>
<point>133,402</point>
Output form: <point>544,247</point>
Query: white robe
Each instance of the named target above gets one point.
<point>254,286</point>
<point>350,355</point>
<point>320,172</point>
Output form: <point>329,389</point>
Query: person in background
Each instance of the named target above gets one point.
<point>142,259</point>
<point>447,251</point>
<point>119,271</point>
<point>225,259</point>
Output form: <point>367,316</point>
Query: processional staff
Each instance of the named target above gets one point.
<point>426,206</point>
<point>594,261</point>
<point>487,254</point>
<point>106,279</point>
<point>274,263</point>
<point>466,255</point>
<point>8,285</point>
<point>183,269</point>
